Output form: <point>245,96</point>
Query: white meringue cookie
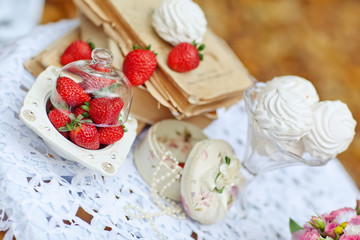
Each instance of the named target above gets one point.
<point>283,115</point>
<point>333,131</point>
<point>295,84</point>
<point>177,21</point>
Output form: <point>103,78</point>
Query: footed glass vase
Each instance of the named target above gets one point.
<point>263,153</point>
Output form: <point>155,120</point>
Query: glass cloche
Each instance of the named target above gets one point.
<point>94,87</point>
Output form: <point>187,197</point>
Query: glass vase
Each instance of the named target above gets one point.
<point>262,153</point>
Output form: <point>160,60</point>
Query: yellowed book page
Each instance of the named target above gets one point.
<point>219,74</point>
<point>201,121</point>
<point>34,66</point>
<point>96,11</point>
<point>89,32</point>
<point>51,55</point>
<point>146,108</point>
<point>118,57</point>
<point>200,109</point>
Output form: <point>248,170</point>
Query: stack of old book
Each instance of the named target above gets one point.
<point>219,81</point>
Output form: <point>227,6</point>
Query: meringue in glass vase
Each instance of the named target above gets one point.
<point>267,150</point>
<point>289,126</point>
<point>264,153</point>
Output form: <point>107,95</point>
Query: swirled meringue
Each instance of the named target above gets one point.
<point>177,21</point>
<point>295,84</point>
<point>283,115</point>
<point>333,131</point>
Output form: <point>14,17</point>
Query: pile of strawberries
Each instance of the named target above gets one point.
<point>84,116</point>
<point>91,120</point>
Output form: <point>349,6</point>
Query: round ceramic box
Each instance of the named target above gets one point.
<point>168,136</point>
<point>181,163</point>
<point>210,181</point>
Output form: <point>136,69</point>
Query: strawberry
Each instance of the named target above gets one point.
<point>77,50</point>
<point>99,67</point>
<point>59,118</point>
<point>185,57</point>
<point>92,83</point>
<point>71,92</point>
<point>86,136</point>
<point>118,104</point>
<point>82,133</point>
<point>139,65</point>
<point>109,135</point>
<point>83,110</point>
<point>105,110</point>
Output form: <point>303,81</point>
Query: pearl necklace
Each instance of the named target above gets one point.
<point>167,206</point>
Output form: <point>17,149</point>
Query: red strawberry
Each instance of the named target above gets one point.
<point>92,83</point>
<point>71,92</point>
<point>139,65</point>
<point>77,50</point>
<point>59,118</point>
<point>109,135</point>
<point>105,110</point>
<point>185,57</point>
<point>83,110</point>
<point>86,136</point>
<point>99,67</point>
<point>118,104</point>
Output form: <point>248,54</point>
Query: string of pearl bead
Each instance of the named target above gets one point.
<point>174,209</point>
<point>167,206</point>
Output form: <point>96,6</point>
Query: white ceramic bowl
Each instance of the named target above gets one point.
<point>175,136</point>
<point>106,161</point>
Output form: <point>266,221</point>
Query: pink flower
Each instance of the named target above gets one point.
<point>172,143</point>
<point>202,199</point>
<point>340,215</point>
<point>306,234</point>
<point>233,194</point>
<point>349,237</point>
<point>330,229</point>
<point>186,207</point>
<point>355,220</point>
<point>317,222</point>
<point>353,226</point>
<point>296,235</point>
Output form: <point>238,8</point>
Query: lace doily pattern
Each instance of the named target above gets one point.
<point>40,193</point>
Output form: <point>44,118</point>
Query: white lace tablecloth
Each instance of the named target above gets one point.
<point>40,193</point>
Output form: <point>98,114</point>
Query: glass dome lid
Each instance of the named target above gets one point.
<point>98,91</point>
